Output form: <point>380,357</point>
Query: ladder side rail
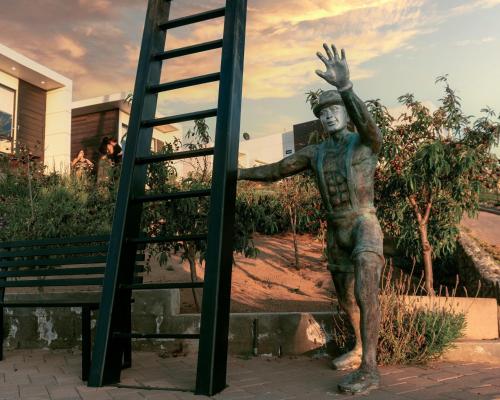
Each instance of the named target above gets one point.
<point>212,355</point>
<point>106,358</point>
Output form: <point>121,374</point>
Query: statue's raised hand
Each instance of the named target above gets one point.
<point>337,71</point>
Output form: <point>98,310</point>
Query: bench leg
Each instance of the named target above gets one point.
<point>1,331</point>
<point>86,315</point>
<point>127,343</point>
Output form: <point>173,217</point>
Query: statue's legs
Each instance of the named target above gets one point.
<point>368,268</point>
<point>344,286</point>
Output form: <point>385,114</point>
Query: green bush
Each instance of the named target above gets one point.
<point>40,206</point>
<point>266,210</point>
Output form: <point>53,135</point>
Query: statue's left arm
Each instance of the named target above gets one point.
<point>337,74</point>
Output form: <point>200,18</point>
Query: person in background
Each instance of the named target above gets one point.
<point>81,165</point>
<point>105,164</point>
<point>115,152</point>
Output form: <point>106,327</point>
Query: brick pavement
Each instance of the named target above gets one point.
<point>54,375</point>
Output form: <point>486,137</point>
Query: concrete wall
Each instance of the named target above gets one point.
<point>477,269</point>
<point>61,327</point>
<point>58,129</point>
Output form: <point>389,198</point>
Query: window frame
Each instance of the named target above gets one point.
<point>14,112</point>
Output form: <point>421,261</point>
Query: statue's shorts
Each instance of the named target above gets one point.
<point>350,234</point>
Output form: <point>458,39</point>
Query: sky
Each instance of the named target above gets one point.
<point>393,47</point>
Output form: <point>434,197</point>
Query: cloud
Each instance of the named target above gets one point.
<point>469,42</point>
<point>69,46</point>
<point>96,42</point>
<point>96,5</point>
<point>283,37</point>
<point>473,5</point>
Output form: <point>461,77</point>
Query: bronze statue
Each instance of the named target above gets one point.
<point>344,166</point>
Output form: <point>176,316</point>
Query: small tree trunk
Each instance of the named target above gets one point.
<point>192,269</point>
<point>427,257</point>
<point>424,240</point>
<point>293,220</point>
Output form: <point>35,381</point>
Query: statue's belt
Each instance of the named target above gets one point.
<point>335,215</point>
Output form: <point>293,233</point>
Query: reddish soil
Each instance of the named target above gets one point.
<point>269,282</point>
<point>486,227</point>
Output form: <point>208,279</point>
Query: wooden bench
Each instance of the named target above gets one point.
<point>75,263</point>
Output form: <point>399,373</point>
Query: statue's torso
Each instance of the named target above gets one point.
<point>348,168</point>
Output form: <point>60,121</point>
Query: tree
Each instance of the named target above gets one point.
<point>300,198</point>
<point>432,168</point>
<point>187,216</point>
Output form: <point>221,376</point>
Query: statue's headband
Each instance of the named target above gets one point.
<point>327,98</point>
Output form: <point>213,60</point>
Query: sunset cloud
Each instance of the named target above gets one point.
<point>96,42</point>
<point>69,46</point>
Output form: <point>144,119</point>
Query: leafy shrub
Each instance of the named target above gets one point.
<point>36,206</point>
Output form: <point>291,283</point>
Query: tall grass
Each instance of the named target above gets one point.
<point>413,330</point>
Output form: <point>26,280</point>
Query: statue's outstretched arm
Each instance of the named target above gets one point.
<point>337,74</point>
<point>365,125</point>
<point>291,165</point>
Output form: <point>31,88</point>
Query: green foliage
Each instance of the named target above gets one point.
<point>53,206</point>
<point>188,216</point>
<point>266,205</point>
<point>312,97</point>
<point>440,160</point>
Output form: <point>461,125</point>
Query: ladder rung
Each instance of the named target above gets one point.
<point>198,80</point>
<point>180,118</point>
<point>164,285</point>
<point>191,19</point>
<point>172,196</point>
<point>185,51</point>
<point>208,151</point>
<point>166,239</point>
<point>156,335</point>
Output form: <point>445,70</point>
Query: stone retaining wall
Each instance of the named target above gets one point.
<point>476,266</point>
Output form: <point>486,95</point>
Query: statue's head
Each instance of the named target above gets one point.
<point>331,111</point>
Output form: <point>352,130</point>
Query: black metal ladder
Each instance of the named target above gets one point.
<point>113,333</point>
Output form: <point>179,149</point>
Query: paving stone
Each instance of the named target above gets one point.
<point>30,390</point>
<point>58,392</point>
<point>54,375</point>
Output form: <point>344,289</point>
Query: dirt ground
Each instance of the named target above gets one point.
<point>485,227</point>
<point>269,282</point>
<point>486,230</point>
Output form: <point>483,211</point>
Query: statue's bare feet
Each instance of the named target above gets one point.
<point>360,381</point>
<point>348,360</point>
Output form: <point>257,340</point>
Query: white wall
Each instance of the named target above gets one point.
<point>12,83</point>
<point>259,151</point>
<point>57,154</point>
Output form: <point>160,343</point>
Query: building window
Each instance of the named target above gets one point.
<point>7,106</point>
<point>124,130</point>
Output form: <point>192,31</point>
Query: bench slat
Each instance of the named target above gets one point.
<point>48,303</point>
<point>53,251</point>
<point>60,261</point>
<point>44,242</point>
<point>60,272</point>
<point>53,262</point>
<point>58,282</point>
<point>52,282</point>
<point>52,272</point>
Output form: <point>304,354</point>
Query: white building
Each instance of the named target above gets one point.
<point>265,149</point>
<point>35,109</point>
